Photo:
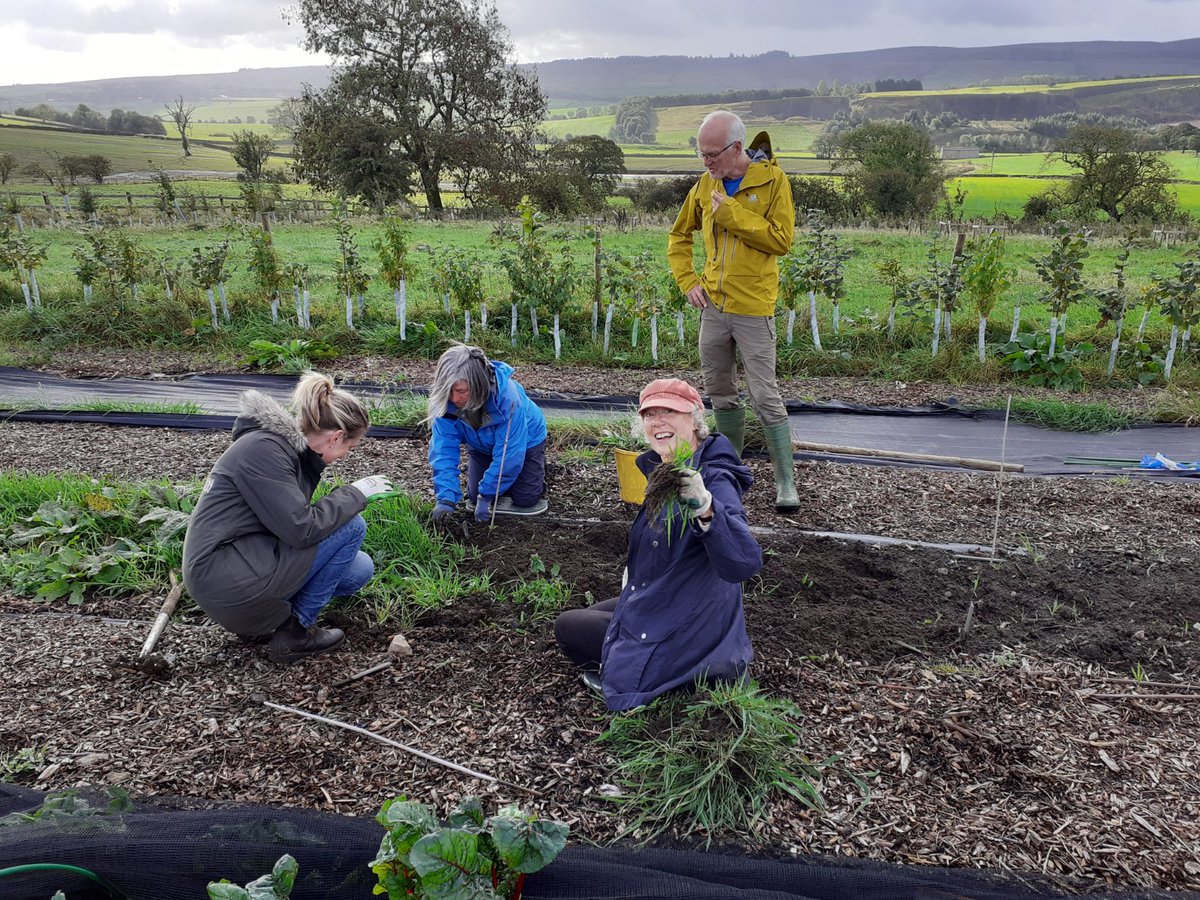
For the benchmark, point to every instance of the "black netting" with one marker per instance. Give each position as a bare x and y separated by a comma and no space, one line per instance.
157,852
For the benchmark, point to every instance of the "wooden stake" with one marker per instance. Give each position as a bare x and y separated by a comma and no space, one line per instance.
363,674
988,465
383,740
163,617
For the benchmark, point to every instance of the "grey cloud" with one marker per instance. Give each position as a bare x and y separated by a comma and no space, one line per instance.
194,23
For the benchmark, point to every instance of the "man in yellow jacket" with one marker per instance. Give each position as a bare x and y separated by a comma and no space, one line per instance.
742,205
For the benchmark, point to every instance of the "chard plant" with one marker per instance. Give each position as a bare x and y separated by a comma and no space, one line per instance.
470,856
394,266
352,278
1061,270
209,267
266,267
1180,303
1029,356
275,885
1113,303
986,278
297,275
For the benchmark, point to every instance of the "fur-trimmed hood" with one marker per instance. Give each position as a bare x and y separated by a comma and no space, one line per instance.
258,411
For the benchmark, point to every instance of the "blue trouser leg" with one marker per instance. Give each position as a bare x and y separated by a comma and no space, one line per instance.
531,480
339,570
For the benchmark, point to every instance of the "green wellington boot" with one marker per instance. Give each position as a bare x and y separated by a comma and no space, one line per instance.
779,443
732,424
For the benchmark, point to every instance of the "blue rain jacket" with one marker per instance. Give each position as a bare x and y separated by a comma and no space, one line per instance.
509,416
679,618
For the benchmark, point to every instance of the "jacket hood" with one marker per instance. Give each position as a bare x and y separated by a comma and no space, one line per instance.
715,453
503,372
257,412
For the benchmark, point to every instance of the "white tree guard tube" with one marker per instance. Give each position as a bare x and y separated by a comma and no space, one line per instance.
812,319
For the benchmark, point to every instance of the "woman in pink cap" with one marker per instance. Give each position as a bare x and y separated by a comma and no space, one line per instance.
679,617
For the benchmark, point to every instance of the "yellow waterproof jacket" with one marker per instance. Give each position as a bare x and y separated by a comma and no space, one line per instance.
742,240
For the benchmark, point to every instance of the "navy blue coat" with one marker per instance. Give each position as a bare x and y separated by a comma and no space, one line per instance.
679,617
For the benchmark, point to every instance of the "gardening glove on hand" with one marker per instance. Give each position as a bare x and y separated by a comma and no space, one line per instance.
373,485
442,512
693,492
482,509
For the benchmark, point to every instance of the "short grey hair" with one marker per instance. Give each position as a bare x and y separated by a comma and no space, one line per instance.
637,427
461,362
735,128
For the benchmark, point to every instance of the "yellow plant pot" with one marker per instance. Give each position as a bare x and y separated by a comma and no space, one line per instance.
629,476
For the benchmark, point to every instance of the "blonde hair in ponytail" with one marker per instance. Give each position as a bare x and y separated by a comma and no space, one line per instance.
322,407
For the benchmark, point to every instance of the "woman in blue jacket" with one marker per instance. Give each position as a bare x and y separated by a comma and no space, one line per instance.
679,617
475,401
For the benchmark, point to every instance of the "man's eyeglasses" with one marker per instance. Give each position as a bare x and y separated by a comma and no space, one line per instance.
709,157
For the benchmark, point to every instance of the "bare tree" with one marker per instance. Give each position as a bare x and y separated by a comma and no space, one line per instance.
181,115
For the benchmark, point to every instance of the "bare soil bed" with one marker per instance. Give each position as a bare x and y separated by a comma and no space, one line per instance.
1022,742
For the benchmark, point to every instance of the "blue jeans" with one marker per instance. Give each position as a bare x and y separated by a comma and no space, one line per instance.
339,570
529,485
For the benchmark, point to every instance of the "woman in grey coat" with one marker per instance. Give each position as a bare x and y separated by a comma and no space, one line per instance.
260,557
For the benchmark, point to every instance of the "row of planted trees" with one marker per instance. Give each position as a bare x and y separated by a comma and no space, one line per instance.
544,275
977,271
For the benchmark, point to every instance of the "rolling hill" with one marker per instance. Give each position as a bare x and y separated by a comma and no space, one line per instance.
574,82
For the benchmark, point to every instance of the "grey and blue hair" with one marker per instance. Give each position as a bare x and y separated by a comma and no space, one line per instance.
460,363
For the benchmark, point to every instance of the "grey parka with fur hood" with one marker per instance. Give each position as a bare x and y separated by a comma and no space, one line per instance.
254,532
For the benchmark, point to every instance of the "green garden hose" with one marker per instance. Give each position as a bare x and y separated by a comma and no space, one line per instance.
62,867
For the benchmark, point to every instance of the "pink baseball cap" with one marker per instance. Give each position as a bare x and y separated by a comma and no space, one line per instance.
668,393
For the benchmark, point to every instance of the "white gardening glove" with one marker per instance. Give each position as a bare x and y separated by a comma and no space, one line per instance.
693,492
373,485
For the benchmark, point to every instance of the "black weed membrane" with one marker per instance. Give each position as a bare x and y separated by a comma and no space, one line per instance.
92,845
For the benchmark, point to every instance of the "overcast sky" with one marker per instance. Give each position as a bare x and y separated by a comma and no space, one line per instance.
74,40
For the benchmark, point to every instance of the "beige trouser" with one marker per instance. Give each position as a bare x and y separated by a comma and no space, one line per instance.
723,336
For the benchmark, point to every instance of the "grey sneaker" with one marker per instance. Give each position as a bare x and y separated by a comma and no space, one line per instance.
505,507
592,680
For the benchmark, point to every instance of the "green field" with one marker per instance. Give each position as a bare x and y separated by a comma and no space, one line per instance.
128,153
219,132
227,110
1039,88
22,122
1185,165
